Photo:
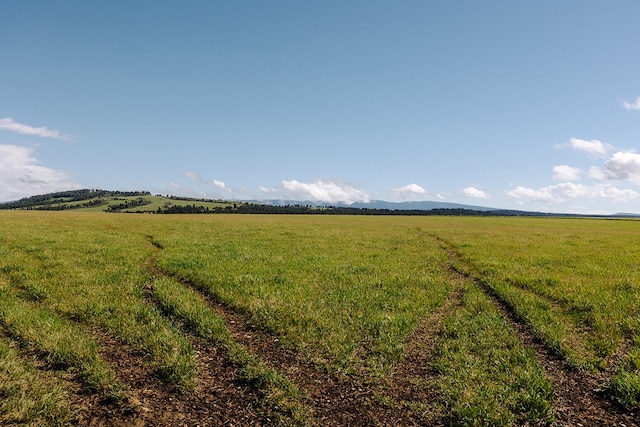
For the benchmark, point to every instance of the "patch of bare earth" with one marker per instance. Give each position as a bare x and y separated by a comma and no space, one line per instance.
217,399
580,396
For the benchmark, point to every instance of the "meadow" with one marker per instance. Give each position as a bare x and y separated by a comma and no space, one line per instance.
317,320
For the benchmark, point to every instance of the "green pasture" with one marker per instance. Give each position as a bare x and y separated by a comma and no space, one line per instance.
346,292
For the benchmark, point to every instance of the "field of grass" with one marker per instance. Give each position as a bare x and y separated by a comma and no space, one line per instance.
341,298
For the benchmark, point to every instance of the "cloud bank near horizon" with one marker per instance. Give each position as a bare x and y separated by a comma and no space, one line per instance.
621,166
20,172
21,176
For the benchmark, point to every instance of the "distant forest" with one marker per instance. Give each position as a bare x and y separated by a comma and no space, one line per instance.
253,208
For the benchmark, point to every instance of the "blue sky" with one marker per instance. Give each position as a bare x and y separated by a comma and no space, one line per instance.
509,104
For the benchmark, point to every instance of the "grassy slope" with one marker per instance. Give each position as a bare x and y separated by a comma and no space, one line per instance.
155,203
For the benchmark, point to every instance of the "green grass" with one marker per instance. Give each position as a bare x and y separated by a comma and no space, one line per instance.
29,397
345,292
484,374
88,269
576,282
59,342
188,306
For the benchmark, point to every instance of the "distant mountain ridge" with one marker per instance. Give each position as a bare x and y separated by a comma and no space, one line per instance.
381,204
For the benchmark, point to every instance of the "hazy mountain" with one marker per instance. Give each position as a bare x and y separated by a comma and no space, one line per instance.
380,204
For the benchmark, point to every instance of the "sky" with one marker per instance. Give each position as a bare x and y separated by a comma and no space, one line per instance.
531,105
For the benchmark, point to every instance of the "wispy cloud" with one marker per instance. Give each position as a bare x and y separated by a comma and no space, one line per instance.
635,105
476,193
191,175
321,191
408,192
566,173
194,176
592,147
9,124
268,190
545,195
21,176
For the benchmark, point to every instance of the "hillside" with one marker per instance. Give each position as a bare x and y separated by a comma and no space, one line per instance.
87,200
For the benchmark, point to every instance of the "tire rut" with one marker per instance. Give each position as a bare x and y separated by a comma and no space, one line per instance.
335,399
218,398
580,396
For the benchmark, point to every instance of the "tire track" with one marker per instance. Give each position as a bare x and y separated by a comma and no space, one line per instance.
407,383
335,399
580,396
218,398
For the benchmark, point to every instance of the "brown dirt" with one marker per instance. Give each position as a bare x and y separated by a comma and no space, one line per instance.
217,399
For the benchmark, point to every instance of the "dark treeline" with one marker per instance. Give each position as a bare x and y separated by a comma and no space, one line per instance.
330,210
64,206
128,204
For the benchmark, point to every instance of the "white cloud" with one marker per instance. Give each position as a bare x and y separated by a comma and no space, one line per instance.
221,185
327,192
474,192
21,176
592,147
408,192
8,124
621,166
568,190
566,173
542,195
635,105
191,175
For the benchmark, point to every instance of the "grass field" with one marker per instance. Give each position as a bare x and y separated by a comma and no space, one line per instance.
316,319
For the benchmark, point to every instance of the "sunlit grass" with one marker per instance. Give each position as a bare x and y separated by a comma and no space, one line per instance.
89,269
29,397
344,290
575,281
58,341
190,307
484,373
